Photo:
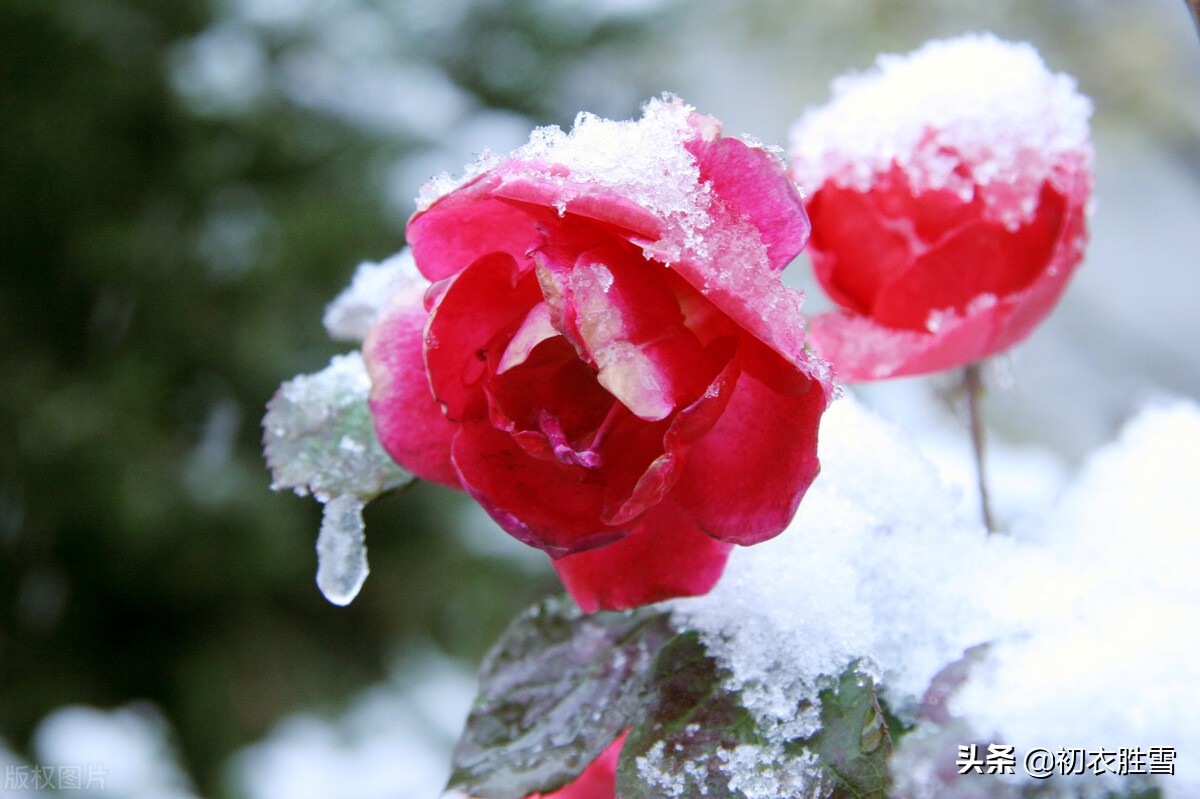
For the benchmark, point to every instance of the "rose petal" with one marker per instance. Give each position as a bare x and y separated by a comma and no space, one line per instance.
665,556
745,478
855,248
649,458
533,331
552,395
546,504
597,203
754,184
734,274
477,312
630,325
465,225
978,258
408,420
862,349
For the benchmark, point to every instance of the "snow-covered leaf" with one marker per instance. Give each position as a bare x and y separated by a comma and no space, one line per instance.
318,436
351,314
853,744
688,720
556,690
318,439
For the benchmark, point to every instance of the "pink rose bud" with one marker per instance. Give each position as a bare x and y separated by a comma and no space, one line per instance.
607,359
947,191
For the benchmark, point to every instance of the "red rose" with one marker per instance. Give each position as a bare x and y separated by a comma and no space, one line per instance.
948,192
607,359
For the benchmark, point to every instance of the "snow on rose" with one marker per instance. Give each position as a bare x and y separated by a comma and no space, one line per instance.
606,357
948,193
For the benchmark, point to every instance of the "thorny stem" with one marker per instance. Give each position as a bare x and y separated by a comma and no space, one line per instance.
973,385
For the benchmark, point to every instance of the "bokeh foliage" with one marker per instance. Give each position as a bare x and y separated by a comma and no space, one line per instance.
165,267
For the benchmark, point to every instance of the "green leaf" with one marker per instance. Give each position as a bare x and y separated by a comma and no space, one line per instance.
688,719
853,744
318,437
556,690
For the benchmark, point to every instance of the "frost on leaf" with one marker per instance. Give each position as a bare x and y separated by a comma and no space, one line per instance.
688,720
318,439
556,690
350,315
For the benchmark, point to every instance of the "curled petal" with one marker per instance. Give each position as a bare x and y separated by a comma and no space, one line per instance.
666,555
478,312
754,184
745,478
544,503
465,225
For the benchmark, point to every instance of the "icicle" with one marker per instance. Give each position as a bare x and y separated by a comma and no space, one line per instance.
341,550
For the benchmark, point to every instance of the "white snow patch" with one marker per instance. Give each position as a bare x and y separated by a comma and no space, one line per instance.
643,161
393,740
1091,618
124,752
351,314
1112,608
875,566
969,114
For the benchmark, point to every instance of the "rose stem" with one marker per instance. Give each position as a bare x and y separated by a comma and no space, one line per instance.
973,384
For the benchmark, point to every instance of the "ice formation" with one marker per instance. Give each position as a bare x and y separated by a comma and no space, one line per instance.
969,114
342,550
318,439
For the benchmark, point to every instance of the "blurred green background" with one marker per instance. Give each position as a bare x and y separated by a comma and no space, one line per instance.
184,185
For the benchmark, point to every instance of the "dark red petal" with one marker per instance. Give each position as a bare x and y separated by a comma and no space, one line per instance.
981,257
665,556
545,503
855,250
478,312
408,420
643,461
753,184
745,478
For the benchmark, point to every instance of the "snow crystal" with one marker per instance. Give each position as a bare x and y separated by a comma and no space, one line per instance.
975,103
341,550
644,161
765,771
1112,606
1090,620
875,567
350,315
